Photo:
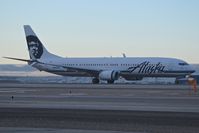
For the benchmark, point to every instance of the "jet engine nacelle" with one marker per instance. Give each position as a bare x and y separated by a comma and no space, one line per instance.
109,75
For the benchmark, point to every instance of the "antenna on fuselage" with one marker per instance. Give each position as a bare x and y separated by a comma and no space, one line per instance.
124,55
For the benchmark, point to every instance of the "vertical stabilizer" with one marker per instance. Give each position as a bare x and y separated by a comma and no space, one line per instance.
35,47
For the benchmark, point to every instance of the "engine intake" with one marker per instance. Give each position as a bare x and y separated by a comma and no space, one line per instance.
109,75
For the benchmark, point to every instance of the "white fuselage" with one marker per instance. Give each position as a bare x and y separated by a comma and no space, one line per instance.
128,67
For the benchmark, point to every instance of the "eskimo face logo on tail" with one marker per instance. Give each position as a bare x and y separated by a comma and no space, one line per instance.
35,47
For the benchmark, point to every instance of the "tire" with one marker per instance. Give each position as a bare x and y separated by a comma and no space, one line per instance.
95,81
110,81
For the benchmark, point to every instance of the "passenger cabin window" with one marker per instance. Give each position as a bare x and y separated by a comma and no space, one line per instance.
183,64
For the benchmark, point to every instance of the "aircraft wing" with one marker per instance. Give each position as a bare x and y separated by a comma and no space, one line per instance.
89,71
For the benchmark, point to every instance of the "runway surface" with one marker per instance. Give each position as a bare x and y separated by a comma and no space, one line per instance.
100,108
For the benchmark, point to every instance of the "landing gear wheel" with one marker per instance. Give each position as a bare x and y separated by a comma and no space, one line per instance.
95,81
110,81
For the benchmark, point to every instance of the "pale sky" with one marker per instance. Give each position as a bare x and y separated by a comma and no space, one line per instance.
102,28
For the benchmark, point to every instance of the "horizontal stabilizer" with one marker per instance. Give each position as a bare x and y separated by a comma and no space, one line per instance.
24,60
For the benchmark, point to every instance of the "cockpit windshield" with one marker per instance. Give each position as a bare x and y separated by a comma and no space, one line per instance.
183,64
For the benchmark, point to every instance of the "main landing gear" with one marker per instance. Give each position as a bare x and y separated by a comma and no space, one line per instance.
110,81
95,81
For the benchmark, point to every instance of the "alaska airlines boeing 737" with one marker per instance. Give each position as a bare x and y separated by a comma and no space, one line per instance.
108,69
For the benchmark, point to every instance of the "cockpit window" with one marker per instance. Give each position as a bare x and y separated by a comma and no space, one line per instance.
183,64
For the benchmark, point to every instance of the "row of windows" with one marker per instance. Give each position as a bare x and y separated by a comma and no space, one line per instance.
100,65
182,64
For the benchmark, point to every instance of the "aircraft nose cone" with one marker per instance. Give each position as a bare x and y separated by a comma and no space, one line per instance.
191,69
